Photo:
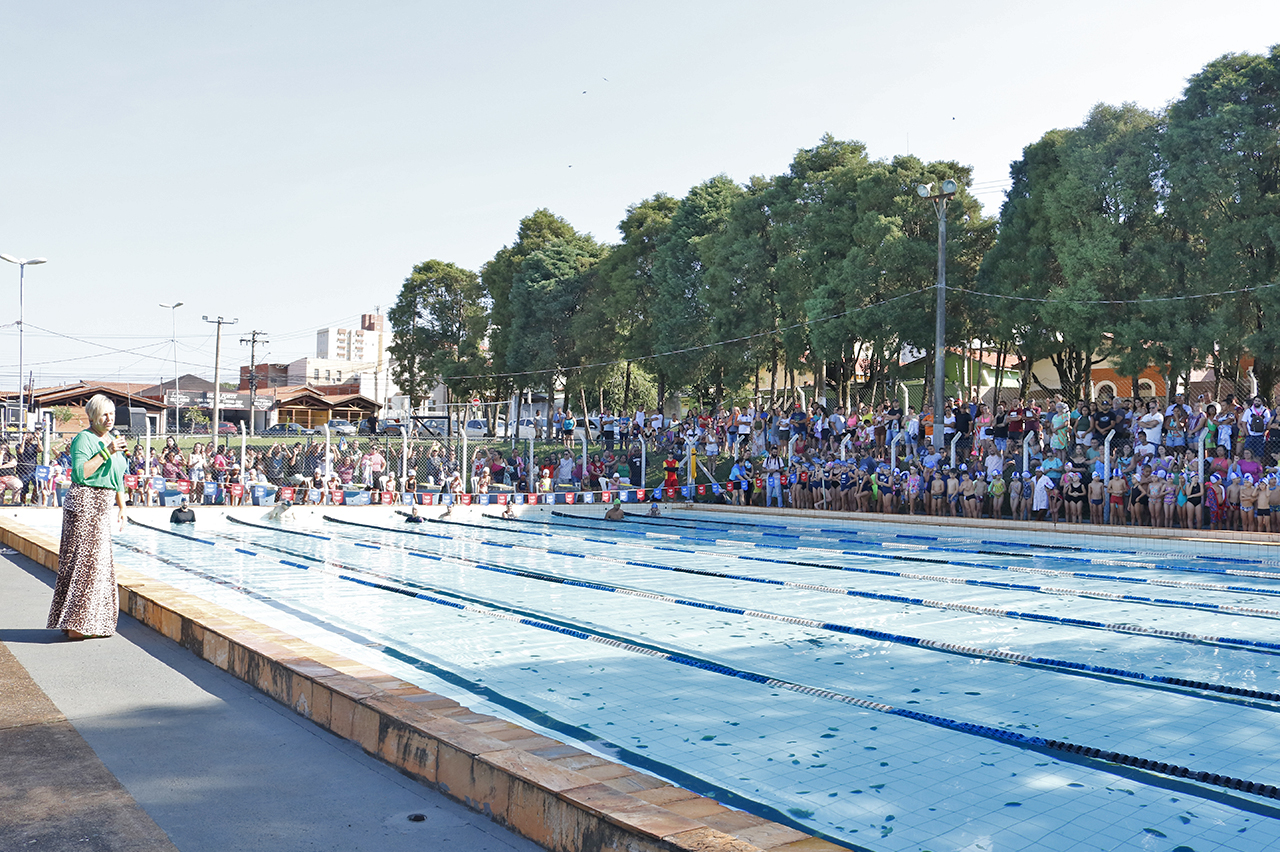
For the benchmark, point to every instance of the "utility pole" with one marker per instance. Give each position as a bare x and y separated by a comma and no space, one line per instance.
252,340
217,376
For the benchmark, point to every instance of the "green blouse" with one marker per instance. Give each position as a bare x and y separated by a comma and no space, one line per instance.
108,475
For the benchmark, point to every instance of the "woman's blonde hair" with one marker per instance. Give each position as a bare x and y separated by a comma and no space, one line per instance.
97,406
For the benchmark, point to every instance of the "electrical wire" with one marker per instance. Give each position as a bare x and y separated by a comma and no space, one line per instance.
1186,298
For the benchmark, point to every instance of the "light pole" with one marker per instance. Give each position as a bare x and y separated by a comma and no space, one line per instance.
925,190
22,269
177,406
217,390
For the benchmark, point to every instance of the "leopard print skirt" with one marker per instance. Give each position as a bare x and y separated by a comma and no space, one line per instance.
85,597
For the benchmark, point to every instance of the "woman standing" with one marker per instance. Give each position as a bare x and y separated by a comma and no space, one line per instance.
85,601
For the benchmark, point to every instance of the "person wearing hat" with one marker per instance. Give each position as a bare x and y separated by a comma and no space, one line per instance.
615,512
183,514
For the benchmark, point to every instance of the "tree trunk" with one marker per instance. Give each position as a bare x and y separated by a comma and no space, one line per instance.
773,377
1266,374
626,390
1002,358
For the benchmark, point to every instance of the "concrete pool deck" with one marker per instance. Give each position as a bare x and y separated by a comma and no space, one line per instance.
478,774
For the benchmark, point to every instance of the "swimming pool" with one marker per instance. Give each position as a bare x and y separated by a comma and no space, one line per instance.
889,688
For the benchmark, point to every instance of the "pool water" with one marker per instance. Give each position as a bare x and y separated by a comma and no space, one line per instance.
887,688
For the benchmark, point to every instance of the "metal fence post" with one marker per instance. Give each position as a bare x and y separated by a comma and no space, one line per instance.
465,462
1106,478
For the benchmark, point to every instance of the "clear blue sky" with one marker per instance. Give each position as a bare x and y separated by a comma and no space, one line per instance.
288,163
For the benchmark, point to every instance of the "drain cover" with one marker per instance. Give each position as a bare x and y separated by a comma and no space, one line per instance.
417,817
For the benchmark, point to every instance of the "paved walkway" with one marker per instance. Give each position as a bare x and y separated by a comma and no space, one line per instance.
131,743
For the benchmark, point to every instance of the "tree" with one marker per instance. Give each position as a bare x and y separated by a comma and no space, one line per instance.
616,320
497,276
683,315
1223,175
438,323
545,297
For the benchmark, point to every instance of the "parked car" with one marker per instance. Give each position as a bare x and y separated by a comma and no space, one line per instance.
434,427
393,427
524,428
224,428
284,430
476,428
341,427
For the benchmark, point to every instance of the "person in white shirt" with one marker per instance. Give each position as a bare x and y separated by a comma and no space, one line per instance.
772,467
1040,499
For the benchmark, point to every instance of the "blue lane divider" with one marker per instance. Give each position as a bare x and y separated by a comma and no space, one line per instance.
986,731
1022,545
971,651
1181,636
1021,569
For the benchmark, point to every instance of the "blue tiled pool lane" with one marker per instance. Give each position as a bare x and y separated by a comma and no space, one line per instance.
933,691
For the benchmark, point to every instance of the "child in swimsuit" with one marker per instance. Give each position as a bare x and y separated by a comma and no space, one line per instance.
1262,504
997,492
1096,496
1117,487
1248,496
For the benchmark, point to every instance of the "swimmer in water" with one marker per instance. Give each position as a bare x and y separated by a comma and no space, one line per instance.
414,517
615,511
509,513
653,511
278,510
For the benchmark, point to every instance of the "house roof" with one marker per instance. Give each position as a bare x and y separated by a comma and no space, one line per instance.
80,392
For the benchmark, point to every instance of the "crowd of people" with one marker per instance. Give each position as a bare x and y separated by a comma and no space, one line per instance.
1121,461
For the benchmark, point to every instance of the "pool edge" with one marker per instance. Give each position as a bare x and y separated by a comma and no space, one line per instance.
557,795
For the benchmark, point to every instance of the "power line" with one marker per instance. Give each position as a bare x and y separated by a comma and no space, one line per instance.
1186,298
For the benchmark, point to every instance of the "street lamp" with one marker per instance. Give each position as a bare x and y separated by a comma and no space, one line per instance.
22,269
940,199
177,406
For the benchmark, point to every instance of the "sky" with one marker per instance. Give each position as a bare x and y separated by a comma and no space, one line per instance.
286,164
